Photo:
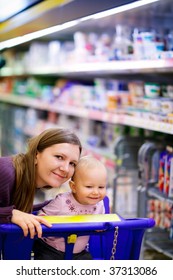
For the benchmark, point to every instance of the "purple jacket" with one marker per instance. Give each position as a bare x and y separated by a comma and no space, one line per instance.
7,185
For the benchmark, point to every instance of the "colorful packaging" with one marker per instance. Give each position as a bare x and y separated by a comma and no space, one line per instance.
162,170
170,191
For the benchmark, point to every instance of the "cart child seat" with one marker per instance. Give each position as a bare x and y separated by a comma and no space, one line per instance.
112,236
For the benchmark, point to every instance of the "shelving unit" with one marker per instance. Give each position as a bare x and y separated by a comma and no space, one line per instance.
114,118
153,200
97,68
159,238
156,16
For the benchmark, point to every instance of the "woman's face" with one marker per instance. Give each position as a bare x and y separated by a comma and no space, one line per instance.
55,165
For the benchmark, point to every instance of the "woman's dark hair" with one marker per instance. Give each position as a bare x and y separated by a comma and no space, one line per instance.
25,164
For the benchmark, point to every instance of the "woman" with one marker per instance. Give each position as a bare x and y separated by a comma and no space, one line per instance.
49,162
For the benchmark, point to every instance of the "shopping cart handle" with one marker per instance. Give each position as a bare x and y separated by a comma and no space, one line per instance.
84,223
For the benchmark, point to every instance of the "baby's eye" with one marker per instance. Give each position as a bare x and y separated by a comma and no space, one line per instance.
102,187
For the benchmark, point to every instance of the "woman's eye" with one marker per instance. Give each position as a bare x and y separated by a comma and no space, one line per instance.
59,157
73,164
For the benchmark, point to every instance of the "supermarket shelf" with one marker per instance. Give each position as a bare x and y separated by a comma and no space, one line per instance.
159,240
96,68
154,192
119,118
112,67
41,105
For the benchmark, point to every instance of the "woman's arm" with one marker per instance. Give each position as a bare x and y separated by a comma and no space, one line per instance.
7,185
29,223
6,214
39,206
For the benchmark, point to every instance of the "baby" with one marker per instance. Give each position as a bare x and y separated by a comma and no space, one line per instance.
88,189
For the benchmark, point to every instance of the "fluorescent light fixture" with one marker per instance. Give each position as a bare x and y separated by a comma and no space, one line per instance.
6,12
38,34
122,8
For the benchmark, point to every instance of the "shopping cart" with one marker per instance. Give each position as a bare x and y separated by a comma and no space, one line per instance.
112,237
126,175
146,173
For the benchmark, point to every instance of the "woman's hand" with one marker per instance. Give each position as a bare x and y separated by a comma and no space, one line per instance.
29,223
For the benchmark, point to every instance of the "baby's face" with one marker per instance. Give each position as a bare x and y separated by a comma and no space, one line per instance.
90,186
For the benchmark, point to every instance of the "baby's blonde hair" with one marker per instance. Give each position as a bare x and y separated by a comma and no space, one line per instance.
88,162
